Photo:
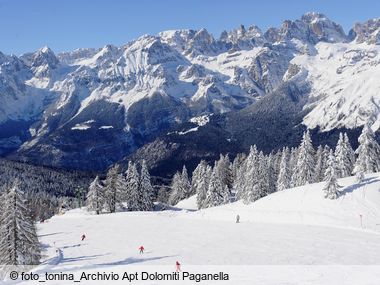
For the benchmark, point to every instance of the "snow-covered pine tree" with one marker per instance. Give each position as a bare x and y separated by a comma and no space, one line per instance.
350,151
95,196
181,187
197,175
112,192
177,193
19,244
284,178
319,173
215,190
256,182
271,174
146,189
132,186
163,194
292,163
249,183
326,154
262,178
226,195
239,180
199,183
236,164
206,181
41,205
343,157
304,173
223,167
276,165
185,183
368,152
359,173
331,188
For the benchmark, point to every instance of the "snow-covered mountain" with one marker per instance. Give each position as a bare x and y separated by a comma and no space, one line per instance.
90,107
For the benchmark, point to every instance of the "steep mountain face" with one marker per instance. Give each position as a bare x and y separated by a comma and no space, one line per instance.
89,108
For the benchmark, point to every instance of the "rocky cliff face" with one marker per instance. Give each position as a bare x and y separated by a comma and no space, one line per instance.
368,32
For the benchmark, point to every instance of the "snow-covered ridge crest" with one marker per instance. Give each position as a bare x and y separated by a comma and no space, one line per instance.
344,91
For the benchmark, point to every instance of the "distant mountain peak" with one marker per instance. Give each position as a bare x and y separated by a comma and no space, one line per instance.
44,56
368,32
309,17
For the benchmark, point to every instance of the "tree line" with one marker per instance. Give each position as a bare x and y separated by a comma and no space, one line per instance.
256,175
130,191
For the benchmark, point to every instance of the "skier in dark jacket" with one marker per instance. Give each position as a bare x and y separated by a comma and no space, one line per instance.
83,237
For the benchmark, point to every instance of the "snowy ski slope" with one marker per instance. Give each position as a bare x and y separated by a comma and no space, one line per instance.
290,237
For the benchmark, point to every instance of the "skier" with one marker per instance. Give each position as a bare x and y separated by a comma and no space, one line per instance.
177,266
83,237
237,219
141,248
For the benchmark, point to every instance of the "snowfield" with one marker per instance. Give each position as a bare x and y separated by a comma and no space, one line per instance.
291,237
343,82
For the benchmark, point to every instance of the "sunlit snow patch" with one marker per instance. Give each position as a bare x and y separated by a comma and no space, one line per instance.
83,126
201,120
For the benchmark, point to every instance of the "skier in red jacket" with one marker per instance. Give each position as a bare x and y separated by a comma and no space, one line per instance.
141,248
177,266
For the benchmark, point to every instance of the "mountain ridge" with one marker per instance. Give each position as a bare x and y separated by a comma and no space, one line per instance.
89,108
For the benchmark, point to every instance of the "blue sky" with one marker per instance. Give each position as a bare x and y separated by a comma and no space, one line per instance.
69,24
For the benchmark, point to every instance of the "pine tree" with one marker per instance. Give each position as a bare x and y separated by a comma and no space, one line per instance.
146,189
95,196
319,173
114,189
215,191
18,238
238,187
262,179
177,193
132,186
359,173
304,173
197,175
326,154
226,195
255,184
199,183
350,152
223,167
293,163
236,164
271,174
249,183
276,166
331,188
343,157
368,152
185,183
284,178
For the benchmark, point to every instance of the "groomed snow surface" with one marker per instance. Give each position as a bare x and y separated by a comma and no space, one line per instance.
291,237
